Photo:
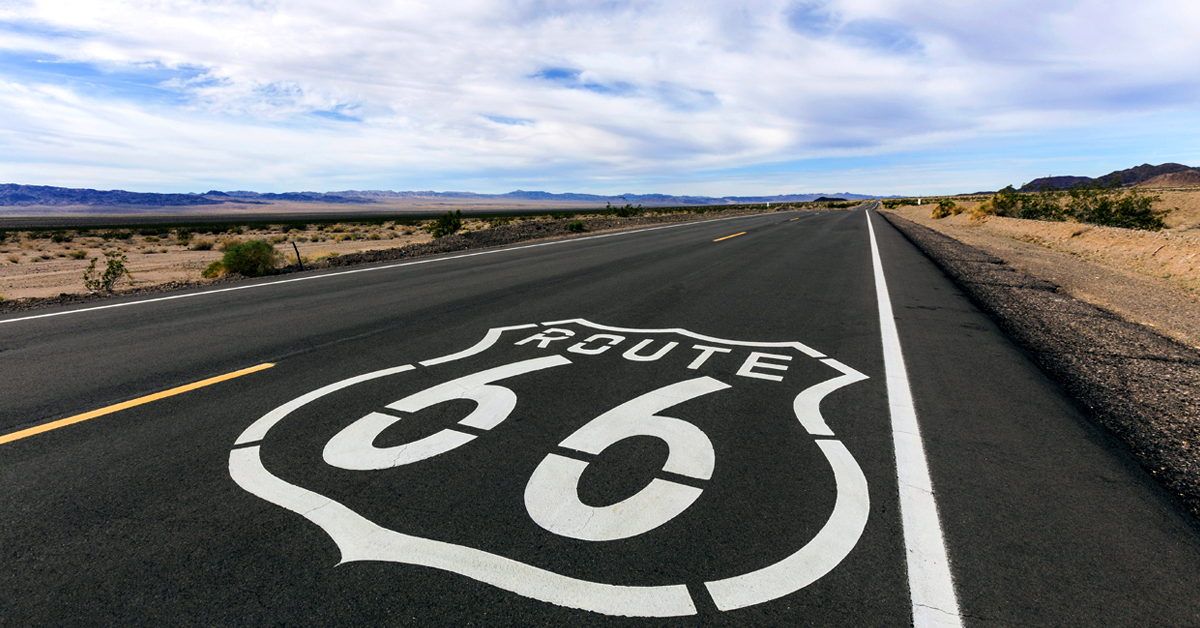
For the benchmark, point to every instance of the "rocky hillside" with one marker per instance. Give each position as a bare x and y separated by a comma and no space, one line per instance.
1138,175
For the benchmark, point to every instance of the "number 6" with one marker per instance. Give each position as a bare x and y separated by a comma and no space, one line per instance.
552,496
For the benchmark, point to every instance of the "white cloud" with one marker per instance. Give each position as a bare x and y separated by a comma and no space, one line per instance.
278,94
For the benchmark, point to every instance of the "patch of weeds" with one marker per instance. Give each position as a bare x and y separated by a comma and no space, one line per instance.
114,270
60,237
183,236
202,245
214,270
374,236
228,242
117,235
150,239
252,258
78,254
499,221
276,239
576,227
235,230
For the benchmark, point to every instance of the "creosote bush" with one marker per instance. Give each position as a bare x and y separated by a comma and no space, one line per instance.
628,211
576,227
252,258
1098,203
113,272
946,207
446,224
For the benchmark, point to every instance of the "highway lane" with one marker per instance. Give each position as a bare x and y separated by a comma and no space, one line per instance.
158,514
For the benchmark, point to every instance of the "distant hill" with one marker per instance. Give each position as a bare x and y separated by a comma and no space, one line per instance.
1132,176
12,194
1183,178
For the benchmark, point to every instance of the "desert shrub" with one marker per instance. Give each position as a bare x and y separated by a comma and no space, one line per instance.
3,235
982,210
117,235
499,221
893,203
945,207
14,258
77,254
150,239
60,237
446,224
234,230
183,236
1109,205
1042,205
252,258
576,227
276,239
375,236
114,270
202,245
229,242
628,211
1004,202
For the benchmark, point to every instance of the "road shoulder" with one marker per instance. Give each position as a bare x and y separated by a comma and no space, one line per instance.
1140,385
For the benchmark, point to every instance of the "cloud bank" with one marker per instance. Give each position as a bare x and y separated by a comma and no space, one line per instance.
683,97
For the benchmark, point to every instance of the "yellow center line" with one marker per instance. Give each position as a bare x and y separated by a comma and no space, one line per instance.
730,236
796,218
53,425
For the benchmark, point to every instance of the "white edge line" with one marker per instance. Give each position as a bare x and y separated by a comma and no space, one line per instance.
929,580
367,270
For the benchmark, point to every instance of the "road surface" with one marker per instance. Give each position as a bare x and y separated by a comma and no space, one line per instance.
781,419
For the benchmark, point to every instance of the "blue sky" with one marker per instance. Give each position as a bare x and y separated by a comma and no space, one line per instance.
714,98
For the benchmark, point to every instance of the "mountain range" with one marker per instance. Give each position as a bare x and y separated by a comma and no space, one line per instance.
1145,175
12,194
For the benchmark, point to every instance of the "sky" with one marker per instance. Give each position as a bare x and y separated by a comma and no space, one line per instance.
697,97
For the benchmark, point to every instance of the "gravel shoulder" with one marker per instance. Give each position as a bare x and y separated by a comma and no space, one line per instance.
1143,386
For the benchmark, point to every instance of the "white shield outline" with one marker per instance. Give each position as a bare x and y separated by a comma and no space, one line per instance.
358,538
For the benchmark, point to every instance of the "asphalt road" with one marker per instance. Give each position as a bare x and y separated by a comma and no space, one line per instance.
664,426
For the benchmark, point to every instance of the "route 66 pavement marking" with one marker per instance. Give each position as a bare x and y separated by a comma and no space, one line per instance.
677,373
